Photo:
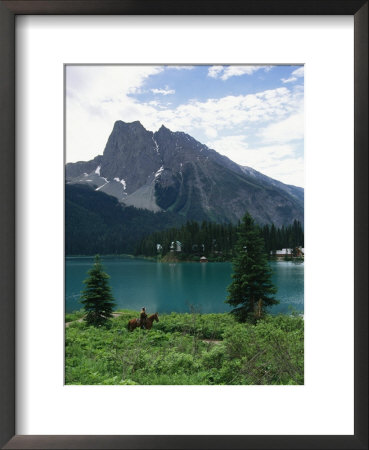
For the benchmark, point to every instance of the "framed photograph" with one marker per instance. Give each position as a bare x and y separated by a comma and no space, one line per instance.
168,173
169,216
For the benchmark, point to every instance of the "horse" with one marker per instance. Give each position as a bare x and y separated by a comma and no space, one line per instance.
135,323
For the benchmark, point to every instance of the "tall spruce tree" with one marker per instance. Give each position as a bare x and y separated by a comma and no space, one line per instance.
251,290
97,297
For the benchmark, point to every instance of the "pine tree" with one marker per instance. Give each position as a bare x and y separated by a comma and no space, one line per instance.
97,297
251,290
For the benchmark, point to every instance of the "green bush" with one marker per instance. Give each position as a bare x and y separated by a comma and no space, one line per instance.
187,349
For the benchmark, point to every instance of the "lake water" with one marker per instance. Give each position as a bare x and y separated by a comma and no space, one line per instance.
165,287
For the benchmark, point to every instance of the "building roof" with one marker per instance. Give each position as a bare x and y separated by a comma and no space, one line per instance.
284,251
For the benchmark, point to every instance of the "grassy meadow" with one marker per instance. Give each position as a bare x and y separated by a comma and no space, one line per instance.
185,349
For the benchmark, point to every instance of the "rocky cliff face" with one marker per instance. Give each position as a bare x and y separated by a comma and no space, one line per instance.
130,155
171,171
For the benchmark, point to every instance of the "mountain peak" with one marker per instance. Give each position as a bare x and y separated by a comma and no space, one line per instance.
173,171
136,124
164,128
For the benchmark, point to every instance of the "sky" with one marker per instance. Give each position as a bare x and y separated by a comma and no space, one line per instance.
252,114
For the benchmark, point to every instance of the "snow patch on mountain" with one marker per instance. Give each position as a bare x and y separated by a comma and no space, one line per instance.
159,171
156,145
107,182
122,182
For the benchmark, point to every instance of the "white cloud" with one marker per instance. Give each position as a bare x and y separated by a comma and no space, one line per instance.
225,72
227,112
180,67
237,149
287,130
288,80
106,82
97,98
214,71
288,171
211,132
297,73
234,147
165,91
236,71
275,161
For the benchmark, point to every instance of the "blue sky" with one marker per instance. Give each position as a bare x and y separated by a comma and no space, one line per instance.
252,114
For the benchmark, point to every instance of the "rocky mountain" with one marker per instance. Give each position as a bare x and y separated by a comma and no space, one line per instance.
171,171
295,191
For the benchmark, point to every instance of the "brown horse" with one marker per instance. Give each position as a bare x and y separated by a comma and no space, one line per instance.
135,323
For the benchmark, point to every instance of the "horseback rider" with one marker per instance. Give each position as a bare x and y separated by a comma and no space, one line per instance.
143,317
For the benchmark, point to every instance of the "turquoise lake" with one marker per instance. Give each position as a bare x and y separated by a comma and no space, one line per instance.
178,287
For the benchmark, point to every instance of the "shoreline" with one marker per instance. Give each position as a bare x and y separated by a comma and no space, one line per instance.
177,260
122,311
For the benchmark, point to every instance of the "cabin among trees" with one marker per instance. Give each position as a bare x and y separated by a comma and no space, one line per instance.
216,242
282,253
288,253
176,246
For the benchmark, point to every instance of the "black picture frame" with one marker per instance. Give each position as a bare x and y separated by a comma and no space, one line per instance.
8,11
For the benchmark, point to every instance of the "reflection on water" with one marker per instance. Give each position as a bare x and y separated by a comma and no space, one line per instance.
176,287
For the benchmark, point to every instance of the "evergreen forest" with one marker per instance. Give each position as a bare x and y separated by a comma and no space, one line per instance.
96,223
216,241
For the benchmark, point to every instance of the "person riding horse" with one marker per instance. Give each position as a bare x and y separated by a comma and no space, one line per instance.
143,317
142,322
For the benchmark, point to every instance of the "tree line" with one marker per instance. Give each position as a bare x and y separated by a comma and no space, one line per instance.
290,236
216,240
97,223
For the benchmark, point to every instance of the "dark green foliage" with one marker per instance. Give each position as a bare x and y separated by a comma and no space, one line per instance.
265,353
96,297
97,223
187,349
251,290
207,326
209,239
290,236
216,241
